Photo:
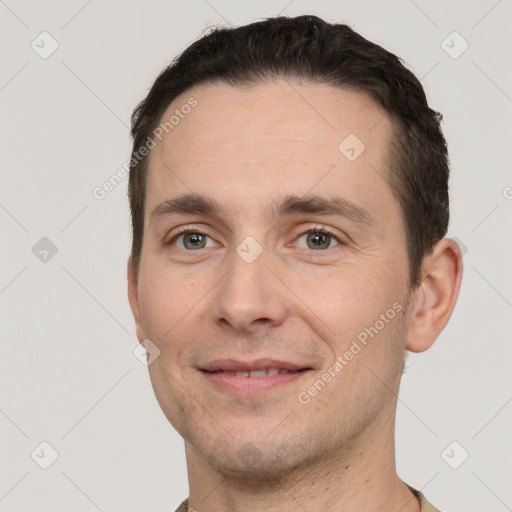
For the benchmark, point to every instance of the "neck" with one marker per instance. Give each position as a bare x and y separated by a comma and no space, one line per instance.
361,476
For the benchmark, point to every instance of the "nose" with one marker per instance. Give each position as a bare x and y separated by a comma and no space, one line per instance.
250,297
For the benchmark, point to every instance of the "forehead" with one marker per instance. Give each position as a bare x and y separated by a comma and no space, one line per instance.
269,139
319,112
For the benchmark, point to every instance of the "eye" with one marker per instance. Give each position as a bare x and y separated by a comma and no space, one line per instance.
319,239
192,240
316,239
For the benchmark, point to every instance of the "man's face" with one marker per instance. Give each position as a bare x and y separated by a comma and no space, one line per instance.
257,285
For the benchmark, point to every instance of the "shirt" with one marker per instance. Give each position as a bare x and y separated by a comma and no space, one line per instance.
425,506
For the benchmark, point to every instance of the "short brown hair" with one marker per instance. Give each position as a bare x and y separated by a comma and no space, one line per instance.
307,48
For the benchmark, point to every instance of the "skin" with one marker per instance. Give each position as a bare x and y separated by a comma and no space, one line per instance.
245,147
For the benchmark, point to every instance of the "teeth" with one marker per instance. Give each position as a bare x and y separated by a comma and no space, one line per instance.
257,373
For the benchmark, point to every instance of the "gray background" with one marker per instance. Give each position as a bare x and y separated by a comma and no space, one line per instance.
68,375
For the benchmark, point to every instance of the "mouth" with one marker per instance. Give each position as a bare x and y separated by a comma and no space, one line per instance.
252,378
258,373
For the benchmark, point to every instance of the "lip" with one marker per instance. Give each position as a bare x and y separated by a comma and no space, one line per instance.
251,386
233,365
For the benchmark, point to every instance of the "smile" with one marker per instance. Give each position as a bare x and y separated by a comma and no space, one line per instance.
258,373
245,378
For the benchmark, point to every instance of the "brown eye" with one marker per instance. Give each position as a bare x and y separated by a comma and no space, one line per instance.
318,240
192,240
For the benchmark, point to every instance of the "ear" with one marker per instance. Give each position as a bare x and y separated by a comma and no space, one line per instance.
133,299
434,300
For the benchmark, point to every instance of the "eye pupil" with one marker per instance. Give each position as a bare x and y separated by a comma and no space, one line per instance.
196,241
319,240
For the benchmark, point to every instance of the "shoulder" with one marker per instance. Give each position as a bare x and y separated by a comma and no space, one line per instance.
425,506
183,507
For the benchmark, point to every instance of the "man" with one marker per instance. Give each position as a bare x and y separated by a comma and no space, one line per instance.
288,191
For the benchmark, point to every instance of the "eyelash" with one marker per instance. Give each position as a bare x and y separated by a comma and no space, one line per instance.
314,229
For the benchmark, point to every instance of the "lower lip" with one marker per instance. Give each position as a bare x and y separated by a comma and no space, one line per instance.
251,385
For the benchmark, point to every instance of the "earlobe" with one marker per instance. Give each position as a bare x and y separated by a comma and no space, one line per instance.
133,299
435,298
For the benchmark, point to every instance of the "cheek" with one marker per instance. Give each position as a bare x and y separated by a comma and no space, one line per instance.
351,291
166,301
354,303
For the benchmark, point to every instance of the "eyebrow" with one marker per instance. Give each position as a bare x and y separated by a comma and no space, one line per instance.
287,206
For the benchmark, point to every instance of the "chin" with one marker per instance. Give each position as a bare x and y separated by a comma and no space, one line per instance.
260,460
249,463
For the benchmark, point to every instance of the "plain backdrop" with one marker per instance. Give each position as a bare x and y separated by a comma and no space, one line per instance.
68,374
